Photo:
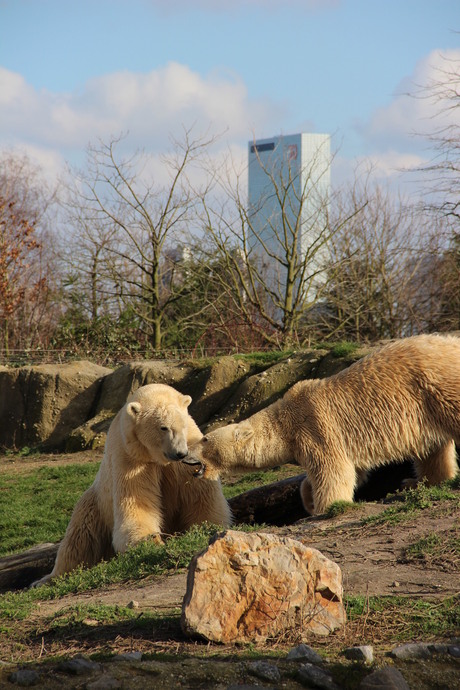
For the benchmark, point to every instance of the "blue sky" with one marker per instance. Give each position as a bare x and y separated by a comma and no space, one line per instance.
73,71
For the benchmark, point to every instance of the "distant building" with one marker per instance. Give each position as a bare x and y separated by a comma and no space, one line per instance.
288,194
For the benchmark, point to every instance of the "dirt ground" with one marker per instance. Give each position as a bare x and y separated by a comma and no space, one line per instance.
372,557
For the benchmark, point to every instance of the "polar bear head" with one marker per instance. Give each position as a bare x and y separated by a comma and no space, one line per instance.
156,424
230,446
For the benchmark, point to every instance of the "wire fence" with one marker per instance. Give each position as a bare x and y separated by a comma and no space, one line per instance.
29,357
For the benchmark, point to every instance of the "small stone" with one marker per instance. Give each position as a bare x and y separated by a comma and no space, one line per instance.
264,670
454,650
411,651
310,675
387,678
438,648
133,604
25,677
363,653
78,667
304,653
395,584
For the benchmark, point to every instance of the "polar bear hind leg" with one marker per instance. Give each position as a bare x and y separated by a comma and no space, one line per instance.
86,542
87,539
438,466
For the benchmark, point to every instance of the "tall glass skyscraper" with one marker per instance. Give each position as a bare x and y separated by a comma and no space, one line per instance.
288,196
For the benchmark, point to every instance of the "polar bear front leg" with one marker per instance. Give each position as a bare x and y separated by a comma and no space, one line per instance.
135,521
131,530
331,479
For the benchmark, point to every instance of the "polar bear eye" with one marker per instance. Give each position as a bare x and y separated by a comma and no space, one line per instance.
164,428
204,439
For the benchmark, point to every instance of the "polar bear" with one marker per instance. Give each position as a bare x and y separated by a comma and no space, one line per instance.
402,401
139,491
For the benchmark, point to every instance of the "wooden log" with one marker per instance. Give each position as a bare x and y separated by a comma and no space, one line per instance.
278,503
21,569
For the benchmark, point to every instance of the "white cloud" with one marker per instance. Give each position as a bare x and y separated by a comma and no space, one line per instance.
151,107
412,115
395,142
388,167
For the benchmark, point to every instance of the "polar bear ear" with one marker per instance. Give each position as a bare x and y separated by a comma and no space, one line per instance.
133,408
243,432
186,400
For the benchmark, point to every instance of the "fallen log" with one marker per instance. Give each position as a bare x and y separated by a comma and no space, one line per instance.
21,569
277,504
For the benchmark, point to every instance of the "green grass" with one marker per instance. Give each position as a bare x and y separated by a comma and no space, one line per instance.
340,508
437,550
35,507
84,619
426,546
412,501
344,349
86,614
146,559
404,618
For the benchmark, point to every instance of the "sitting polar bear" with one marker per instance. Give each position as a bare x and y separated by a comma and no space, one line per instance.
138,491
402,401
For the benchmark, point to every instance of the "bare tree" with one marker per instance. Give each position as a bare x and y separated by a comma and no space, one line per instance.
442,283
443,172
132,228
88,286
441,192
384,255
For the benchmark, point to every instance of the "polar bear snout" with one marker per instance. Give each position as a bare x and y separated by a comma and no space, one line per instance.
176,451
174,443
179,455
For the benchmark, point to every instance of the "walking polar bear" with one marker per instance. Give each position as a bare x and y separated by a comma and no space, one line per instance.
139,491
400,402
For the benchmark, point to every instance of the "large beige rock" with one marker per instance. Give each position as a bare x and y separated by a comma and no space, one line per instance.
40,405
253,586
260,389
218,383
129,377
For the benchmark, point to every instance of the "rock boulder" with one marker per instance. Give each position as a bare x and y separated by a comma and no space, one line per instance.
253,586
39,405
